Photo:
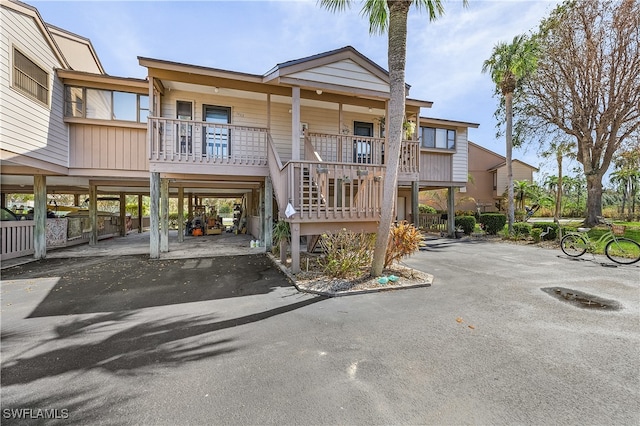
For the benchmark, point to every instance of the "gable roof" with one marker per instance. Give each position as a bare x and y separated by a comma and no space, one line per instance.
342,71
78,50
502,158
32,12
504,163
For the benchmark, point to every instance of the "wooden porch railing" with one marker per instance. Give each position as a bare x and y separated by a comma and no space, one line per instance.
174,140
278,176
16,237
335,191
432,222
360,150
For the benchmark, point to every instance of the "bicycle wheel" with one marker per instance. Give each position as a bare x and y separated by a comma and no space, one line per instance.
623,250
573,245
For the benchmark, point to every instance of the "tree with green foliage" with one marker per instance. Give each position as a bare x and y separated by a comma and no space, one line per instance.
509,65
587,84
390,17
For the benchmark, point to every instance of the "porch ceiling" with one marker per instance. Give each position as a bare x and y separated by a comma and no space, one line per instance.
21,184
309,97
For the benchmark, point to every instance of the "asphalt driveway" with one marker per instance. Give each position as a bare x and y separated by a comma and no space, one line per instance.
125,340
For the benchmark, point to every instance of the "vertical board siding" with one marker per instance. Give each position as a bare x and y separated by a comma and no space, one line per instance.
29,127
461,157
435,167
108,148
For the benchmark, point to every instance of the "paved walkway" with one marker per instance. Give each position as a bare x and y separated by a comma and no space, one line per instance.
126,340
138,244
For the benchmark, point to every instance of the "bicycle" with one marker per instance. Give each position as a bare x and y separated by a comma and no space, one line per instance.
619,250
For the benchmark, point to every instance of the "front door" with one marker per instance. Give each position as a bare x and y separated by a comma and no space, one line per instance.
216,138
184,112
362,147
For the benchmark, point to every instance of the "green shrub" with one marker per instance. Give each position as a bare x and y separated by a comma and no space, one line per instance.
281,233
535,234
553,231
466,223
493,223
522,228
346,253
423,208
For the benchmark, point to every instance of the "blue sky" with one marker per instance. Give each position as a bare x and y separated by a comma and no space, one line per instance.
444,58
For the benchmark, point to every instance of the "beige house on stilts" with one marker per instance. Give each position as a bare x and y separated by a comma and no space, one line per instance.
304,142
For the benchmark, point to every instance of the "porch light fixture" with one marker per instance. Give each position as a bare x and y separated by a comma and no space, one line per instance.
319,92
215,89
370,109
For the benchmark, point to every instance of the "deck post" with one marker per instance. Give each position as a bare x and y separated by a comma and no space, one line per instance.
140,225
76,199
93,214
180,214
164,215
295,123
451,211
295,248
154,215
123,214
40,216
415,208
268,214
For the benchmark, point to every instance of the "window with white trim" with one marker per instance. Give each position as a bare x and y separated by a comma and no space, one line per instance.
438,138
29,78
101,104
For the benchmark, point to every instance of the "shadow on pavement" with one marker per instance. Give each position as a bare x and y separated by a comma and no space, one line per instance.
127,283
435,244
131,350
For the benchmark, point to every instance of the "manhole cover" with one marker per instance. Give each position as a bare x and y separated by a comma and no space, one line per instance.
582,300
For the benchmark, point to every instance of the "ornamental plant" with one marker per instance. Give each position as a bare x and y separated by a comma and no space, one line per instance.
404,241
346,253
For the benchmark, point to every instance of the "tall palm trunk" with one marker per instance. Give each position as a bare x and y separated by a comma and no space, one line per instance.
398,13
508,100
558,212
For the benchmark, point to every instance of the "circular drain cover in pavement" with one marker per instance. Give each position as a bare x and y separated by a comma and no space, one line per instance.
582,300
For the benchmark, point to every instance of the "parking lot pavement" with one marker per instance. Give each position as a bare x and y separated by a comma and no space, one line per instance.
173,342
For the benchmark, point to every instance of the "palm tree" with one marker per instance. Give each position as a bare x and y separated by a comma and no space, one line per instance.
522,189
627,177
560,149
509,65
391,17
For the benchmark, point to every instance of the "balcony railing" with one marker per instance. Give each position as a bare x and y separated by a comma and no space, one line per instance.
335,191
174,140
362,150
